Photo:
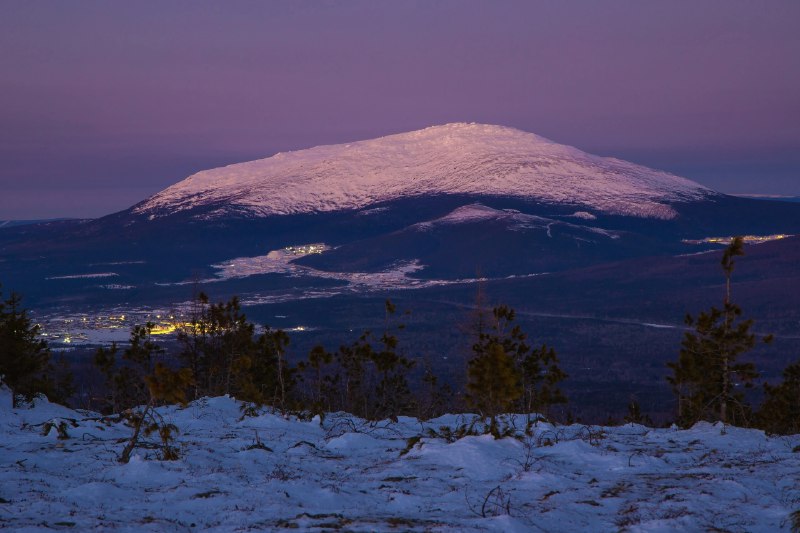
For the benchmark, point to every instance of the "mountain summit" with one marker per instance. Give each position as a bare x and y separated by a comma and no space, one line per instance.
464,159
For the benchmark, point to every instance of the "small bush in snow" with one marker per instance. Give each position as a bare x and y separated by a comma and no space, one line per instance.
164,385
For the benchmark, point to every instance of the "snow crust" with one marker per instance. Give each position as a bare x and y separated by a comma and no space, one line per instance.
458,158
276,473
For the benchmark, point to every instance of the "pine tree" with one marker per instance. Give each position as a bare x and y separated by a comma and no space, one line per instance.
230,339
635,415
265,376
494,383
780,410
392,394
433,398
193,338
506,372
367,378
219,346
540,378
322,383
125,381
24,359
707,378
352,361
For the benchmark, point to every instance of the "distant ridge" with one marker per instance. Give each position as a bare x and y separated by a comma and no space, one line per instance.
15,223
460,158
776,197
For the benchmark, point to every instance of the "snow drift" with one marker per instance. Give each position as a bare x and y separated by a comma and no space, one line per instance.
277,473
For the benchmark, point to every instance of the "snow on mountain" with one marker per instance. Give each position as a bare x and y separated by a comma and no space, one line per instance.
275,473
480,213
459,158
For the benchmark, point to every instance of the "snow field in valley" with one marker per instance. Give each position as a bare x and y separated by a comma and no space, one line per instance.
276,473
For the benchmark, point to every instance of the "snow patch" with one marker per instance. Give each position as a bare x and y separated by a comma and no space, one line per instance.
584,215
660,326
86,276
396,277
516,220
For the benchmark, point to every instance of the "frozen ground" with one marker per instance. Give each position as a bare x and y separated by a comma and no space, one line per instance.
273,473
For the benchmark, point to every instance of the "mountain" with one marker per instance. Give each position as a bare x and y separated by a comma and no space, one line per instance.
464,159
446,203
590,251
15,223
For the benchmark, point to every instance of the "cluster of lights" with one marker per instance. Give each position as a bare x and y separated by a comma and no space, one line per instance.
169,327
61,330
72,330
305,249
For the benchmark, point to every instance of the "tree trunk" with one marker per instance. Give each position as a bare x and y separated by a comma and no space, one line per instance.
126,453
723,406
280,381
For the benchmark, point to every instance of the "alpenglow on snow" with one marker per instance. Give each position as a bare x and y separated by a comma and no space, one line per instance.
464,159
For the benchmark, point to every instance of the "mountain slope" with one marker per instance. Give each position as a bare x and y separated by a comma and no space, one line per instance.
456,200
485,241
471,159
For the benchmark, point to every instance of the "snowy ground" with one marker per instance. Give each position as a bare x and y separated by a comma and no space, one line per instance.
272,473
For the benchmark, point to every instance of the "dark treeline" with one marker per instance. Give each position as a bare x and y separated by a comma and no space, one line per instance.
26,363
220,352
370,377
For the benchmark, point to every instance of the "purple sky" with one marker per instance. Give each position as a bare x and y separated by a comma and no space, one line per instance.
105,103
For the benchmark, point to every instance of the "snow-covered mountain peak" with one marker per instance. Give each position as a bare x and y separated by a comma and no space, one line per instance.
460,158
464,133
